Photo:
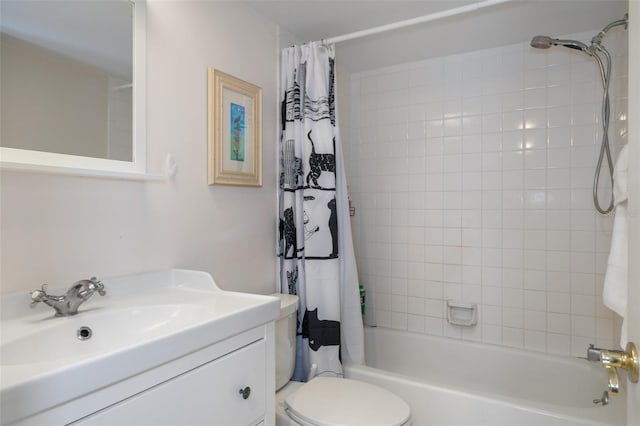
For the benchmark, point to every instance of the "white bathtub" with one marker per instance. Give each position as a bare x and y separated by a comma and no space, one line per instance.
451,382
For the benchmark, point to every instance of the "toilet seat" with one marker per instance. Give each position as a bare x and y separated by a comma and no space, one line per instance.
328,401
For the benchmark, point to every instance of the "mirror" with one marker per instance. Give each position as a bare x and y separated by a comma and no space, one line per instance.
72,80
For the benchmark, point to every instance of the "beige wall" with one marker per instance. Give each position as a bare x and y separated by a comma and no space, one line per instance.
58,229
50,102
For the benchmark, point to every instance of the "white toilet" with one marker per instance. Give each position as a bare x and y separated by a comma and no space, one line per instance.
326,401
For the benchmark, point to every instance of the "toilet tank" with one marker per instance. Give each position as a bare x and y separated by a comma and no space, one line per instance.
286,338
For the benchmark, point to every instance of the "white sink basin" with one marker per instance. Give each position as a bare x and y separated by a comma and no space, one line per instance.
144,320
101,331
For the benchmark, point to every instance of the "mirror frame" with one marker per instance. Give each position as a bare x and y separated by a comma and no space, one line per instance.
48,162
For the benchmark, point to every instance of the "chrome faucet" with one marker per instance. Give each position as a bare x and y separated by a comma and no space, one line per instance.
612,359
68,304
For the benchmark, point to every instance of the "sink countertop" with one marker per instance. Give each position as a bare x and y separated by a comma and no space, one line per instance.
143,321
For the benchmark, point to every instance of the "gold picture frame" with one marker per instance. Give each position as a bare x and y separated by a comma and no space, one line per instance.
234,130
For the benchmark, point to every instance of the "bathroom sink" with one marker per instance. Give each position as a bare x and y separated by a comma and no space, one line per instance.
95,331
144,320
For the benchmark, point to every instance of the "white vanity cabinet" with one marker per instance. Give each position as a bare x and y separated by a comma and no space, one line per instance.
228,383
166,347
210,394
230,390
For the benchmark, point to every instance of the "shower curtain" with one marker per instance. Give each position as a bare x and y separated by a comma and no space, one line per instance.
317,261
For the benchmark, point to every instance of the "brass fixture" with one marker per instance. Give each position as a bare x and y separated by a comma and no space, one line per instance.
627,360
614,381
612,359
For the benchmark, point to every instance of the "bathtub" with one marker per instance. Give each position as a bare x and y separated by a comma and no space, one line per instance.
452,382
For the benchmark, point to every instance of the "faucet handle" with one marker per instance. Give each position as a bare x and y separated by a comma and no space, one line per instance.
38,296
99,286
627,360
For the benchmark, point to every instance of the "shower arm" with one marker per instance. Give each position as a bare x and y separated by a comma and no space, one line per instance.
597,39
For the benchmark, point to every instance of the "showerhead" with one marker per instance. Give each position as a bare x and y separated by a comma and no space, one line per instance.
541,42
545,42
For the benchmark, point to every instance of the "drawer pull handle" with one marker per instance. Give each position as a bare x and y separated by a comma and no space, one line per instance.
245,392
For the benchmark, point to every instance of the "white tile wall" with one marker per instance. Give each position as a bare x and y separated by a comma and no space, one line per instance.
472,178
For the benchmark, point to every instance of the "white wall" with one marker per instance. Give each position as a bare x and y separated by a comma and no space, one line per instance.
472,178
58,229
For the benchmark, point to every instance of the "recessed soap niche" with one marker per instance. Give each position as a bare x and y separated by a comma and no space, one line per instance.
462,313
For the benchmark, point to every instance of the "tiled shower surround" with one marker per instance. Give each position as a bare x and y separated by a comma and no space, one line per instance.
471,175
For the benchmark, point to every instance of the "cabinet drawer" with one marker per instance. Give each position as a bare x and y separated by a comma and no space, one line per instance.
227,391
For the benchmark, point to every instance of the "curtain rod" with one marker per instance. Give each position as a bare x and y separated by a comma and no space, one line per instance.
414,21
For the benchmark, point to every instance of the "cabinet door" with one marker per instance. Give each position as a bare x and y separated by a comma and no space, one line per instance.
227,391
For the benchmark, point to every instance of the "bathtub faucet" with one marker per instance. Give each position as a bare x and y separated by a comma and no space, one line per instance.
613,359
593,353
68,304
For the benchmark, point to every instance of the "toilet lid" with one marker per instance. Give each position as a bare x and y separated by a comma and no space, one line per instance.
327,401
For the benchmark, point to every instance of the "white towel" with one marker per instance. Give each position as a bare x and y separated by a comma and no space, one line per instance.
614,294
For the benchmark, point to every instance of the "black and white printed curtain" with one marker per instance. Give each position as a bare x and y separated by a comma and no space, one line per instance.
317,261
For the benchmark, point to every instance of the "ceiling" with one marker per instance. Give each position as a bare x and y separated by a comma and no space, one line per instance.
57,25
513,22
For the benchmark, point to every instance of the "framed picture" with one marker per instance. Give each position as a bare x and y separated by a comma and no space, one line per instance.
235,131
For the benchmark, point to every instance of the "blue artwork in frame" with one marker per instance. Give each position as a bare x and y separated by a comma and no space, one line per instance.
237,132
234,131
